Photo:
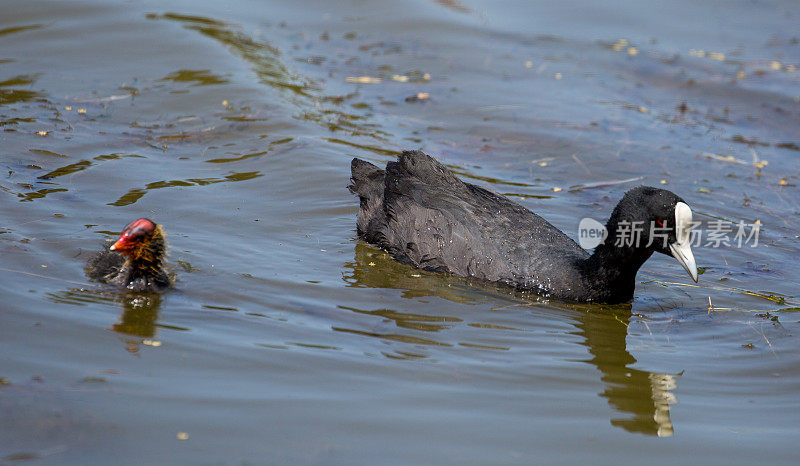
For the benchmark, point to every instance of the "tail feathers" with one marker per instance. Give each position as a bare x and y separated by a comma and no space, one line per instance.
425,168
367,182
413,174
366,179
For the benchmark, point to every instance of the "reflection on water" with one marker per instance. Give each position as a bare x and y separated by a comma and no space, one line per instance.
138,318
402,320
196,77
374,268
300,91
10,95
269,67
139,315
643,397
16,29
254,114
408,320
135,194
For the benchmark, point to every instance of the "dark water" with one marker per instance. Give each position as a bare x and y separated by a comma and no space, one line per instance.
288,341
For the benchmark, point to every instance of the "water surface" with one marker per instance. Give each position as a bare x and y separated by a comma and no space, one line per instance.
285,339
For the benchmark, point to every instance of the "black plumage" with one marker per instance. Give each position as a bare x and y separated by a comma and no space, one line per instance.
421,213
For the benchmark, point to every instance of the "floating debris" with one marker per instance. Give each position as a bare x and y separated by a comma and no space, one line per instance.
363,80
420,96
82,111
774,297
723,158
91,379
619,44
731,159
602,184
182,436
711,307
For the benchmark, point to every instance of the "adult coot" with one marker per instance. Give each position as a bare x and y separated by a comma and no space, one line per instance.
421,213
135,261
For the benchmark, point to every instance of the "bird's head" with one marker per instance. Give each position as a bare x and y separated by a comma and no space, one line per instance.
658,220
135,237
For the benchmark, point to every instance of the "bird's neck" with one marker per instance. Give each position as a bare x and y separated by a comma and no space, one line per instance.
148,258
612,269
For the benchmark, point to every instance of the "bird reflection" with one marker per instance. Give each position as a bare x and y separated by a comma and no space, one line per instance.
139,311
138,318
644,396
139,314
376,269
641,398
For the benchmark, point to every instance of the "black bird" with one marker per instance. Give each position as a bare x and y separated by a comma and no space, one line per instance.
135,261
421,213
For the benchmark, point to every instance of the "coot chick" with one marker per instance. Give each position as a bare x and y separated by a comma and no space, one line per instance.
135,261
421,213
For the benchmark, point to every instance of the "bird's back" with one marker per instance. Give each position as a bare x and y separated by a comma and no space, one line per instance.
112,268
430,218
104,265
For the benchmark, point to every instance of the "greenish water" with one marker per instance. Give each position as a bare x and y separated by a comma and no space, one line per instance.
287,341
